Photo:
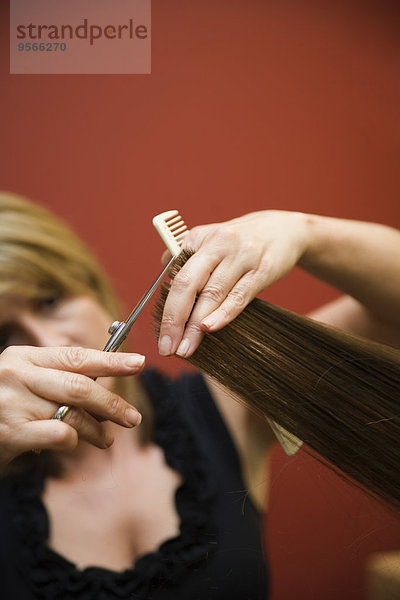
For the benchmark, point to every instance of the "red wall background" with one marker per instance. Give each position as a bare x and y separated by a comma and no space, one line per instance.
250,105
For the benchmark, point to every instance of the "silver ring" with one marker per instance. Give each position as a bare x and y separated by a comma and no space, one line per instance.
61,412
58,415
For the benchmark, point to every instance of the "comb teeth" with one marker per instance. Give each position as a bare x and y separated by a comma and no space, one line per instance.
171,228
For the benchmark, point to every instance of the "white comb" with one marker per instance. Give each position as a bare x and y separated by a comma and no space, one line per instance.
171,228
289,442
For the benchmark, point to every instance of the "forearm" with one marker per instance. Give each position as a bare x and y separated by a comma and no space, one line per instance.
360,259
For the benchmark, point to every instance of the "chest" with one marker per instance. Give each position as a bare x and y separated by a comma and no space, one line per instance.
111,519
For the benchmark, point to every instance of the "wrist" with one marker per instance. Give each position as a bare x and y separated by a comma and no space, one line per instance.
305,226
312,239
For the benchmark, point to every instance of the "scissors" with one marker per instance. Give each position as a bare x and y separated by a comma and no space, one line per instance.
119,330
171,228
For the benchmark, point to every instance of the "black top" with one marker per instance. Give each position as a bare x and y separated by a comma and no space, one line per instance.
217,555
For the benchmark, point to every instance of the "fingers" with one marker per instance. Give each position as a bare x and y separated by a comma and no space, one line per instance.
220,301
75,389
59,435
224,255
21,435
178,306
238,298
93,363
224,284
87,428
185,286
41,435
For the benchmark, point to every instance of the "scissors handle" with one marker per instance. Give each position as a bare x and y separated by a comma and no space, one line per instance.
120,329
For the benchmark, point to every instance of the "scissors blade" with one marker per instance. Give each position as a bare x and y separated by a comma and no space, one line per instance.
123,328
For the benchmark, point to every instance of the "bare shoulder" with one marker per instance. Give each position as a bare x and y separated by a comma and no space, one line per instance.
349,314
252,436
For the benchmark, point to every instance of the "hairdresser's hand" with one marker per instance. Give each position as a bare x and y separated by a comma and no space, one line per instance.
234,261
35,381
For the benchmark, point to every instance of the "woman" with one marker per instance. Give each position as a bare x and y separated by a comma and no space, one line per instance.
98,510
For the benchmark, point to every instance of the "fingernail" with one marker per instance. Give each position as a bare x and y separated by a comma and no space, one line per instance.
133,417
183,348
165,345
209,322
135,360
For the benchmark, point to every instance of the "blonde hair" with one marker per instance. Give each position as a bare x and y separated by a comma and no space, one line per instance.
41,255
